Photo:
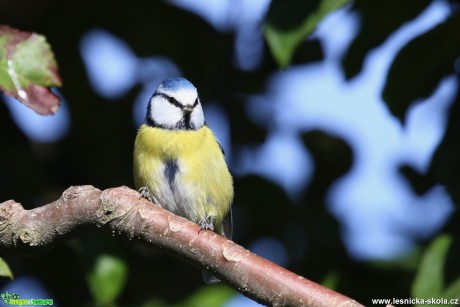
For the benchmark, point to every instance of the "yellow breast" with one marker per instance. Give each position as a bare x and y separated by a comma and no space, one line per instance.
202,184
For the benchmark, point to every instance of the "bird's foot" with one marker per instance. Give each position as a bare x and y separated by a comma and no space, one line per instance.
145,193
207,223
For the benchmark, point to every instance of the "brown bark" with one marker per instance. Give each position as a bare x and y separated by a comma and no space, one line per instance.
85,209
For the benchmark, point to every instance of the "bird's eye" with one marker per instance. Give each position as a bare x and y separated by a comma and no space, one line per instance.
174,101
197,101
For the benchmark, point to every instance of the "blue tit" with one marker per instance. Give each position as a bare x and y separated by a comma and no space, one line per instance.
178,162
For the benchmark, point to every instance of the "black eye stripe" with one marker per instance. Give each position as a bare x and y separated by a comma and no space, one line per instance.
171,100
176,103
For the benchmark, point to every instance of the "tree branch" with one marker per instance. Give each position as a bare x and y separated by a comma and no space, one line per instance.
85,209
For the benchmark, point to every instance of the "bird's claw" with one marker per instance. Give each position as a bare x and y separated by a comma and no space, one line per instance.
207,223
145,193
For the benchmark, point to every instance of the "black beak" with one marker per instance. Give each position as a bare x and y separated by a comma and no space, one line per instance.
187,109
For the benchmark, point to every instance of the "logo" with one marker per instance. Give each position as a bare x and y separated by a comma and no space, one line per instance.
14,299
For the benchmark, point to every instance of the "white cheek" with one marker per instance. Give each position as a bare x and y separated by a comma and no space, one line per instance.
164,113
197,117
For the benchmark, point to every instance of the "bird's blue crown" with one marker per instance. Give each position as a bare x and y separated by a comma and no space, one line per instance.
174,84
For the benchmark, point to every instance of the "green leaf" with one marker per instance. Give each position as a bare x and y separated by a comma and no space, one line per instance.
453,290
429,280
210,296
288,23
331,280
107,279
421,65
5,270
28,69
206,296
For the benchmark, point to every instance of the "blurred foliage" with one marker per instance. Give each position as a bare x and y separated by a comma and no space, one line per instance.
98,149
284,34
5,270
415,74
107,279
430,280
378,22
215,295
445,166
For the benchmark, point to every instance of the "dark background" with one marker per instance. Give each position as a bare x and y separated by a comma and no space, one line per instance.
98,147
